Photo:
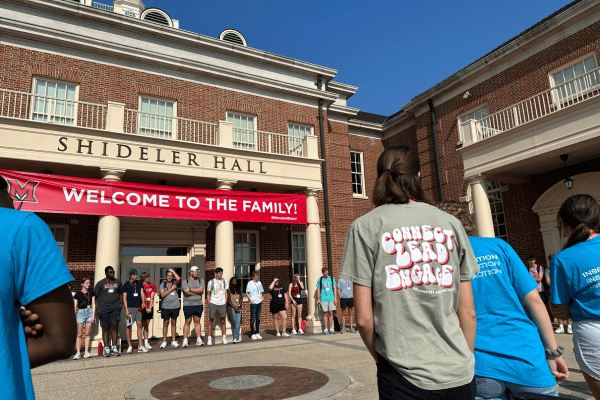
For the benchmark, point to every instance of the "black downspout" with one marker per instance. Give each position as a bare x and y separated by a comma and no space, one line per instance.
325,192
435,149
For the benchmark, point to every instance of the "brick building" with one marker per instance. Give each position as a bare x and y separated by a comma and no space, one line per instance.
82,81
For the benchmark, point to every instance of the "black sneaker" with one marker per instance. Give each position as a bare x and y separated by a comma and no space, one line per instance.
107,352
115,351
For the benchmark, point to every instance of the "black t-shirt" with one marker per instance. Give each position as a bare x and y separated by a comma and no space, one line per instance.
84,299
108,295
278,294
133,300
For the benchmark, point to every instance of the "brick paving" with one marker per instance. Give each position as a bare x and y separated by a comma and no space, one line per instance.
289,382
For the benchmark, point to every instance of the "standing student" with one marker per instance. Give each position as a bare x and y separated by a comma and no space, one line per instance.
169,310
295,294
148,312
134,300
537,272
217,300
254,291
234,308
278,306
326,298
346,303
109,305
575,279
192,305
411,265
85,309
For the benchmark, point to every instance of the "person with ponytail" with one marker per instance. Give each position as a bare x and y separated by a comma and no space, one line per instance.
411,265
575,282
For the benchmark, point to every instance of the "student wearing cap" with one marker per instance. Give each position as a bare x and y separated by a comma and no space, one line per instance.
192,305
109,304
134,299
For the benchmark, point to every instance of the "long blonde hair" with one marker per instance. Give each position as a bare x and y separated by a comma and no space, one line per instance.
296,280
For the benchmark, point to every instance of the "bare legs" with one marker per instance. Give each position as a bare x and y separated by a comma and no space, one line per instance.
297,309
283,315
78,340
593,384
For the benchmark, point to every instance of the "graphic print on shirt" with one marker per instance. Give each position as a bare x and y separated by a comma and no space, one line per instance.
488,265
416,247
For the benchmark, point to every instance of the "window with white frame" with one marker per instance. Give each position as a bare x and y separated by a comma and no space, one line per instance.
296,133
157,117
245,256
61,233
299,257
494,193
358,176
244,133
477,114
576,78
54,102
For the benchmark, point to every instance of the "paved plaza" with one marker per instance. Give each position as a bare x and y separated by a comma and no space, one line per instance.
299,367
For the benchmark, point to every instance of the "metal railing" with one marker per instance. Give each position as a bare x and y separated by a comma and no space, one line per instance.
267,142
52,110
167,127
102,6
565,95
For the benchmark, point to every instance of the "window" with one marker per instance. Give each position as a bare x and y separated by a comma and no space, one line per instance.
245,256
244,135
60,233
156,118
299,257
358,177
494,193
296,135
54,102
579,76
477,115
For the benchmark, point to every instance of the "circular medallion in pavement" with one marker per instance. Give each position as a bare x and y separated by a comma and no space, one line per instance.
250,382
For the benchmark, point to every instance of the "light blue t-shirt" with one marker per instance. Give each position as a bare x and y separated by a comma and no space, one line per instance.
31,265
575,276
345,287
254,289
327,289
507,346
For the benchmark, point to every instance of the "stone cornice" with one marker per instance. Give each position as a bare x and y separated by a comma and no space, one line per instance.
356,123
342,110
342,88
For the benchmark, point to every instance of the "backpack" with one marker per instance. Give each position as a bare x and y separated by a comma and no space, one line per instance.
336,324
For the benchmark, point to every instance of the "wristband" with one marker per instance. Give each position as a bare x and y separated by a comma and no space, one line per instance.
552,354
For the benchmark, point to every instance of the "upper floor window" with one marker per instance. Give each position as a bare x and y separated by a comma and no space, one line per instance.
54,102
245,256
157,117
477,114
358,176
578,76
494,193
244,133
61,233
296,133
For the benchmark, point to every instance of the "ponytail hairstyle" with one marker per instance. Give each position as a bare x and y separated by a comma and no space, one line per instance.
581,213
398,177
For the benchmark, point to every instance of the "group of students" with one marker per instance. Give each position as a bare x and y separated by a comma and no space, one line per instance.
440,309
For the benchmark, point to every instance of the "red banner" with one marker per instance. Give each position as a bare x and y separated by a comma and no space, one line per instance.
68,195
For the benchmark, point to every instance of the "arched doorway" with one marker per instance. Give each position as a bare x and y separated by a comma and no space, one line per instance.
547,205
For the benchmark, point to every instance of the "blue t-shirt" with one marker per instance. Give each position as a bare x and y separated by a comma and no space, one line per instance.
31,265
327,289
575,276
345,287
507,346
131,289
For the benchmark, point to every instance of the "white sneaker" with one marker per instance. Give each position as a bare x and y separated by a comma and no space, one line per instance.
331,332
185,343
278,334
115,351
209,341
301,332
569,329
163,345
199,342
325,331
285,334
258,336
224,339
147,345
142,349
174,344
253,337
294,332
129,350
86,354
77,356
560,329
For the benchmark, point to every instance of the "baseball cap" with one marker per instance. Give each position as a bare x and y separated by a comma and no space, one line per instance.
133,272
194,268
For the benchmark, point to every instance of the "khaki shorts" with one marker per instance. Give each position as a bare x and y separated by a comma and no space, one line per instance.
327,306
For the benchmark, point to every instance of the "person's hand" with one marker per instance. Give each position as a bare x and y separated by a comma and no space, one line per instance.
93,319
558,368
127,313
318,302
30,322
187,291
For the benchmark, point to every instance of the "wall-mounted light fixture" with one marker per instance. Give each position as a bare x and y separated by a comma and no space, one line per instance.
568,181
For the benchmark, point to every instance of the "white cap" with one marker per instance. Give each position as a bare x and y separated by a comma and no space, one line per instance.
194,268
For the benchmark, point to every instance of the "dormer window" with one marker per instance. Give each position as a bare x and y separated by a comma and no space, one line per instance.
233,36
157,16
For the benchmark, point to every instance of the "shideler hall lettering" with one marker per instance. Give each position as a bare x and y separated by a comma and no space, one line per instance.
156,155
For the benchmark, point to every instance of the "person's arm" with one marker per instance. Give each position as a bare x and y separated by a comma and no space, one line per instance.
124,300
541,319
177,278
538,277
466,313
143,297
301,285
335,294
289,293
287,300
208,290
547,279
318,292
75,301
94,309
363,308
163,292
229,300
272,285
55,311
248,293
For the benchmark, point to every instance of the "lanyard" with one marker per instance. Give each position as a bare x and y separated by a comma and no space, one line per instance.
87,296
219,283
110,284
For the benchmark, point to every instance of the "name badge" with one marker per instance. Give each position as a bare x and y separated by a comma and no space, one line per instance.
135,294
172,293
88,306
236,300
110,290
298,296
327,289
280,295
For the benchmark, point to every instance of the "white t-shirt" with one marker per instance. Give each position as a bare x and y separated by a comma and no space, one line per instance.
218,291
254,289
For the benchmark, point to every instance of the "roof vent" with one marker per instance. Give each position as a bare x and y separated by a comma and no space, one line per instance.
233,36
157,16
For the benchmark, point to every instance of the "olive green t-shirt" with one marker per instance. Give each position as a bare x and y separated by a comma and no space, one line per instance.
414,256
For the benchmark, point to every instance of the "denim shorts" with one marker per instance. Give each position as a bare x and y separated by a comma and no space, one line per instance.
84,316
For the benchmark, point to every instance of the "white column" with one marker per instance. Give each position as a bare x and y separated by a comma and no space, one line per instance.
314,258
481,207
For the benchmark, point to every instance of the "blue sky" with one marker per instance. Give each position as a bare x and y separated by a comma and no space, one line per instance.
391,50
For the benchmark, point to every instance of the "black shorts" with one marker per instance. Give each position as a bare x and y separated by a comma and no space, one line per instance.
298,301
275,308
166,313
189,311
147,316
346,303
110,316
